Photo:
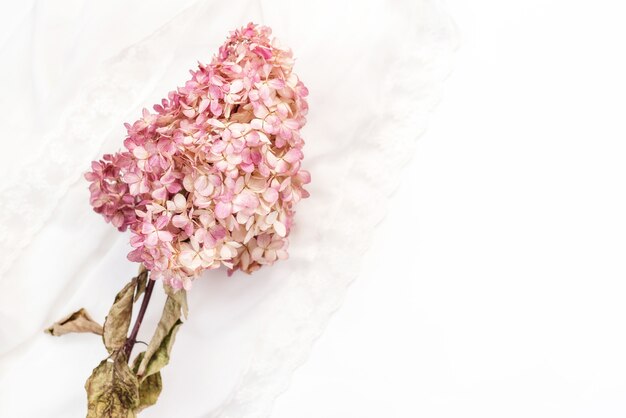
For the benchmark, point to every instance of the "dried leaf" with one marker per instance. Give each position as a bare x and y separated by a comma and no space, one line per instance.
142,281
118,320
162,340
137,362
179,296
79,321
149,391
161,357
112,390
150,388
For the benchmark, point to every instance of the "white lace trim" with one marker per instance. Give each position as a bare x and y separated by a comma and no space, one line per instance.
300,311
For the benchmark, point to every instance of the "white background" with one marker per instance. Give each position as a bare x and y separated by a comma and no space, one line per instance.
75,70
495,286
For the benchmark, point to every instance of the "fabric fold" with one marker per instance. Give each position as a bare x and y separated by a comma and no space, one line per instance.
374,73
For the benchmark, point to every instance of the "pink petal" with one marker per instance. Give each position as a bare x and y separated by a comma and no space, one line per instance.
293,155
136,255
226,252
131,178
161,222
216,108
304,176
247,200
218,147
140,153
263,240
270,255
168,178
216,123
270,195
272,160
204,104
179,221
180,201
160,193
276,83
147,228
291,124
280,229
222,210
257,254
236,86
165,236
281,166
271,218
219,232
151,239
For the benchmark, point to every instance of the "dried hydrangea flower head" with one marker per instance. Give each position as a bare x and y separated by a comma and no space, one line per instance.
211,178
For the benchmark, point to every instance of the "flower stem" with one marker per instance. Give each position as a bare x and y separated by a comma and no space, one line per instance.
132,338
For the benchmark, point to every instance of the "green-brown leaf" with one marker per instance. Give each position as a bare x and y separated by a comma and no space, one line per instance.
161,356
149,391
112,390
79,321
161,343
179,296
118,320
150,388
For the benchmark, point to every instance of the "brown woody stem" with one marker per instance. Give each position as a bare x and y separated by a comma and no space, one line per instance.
132,338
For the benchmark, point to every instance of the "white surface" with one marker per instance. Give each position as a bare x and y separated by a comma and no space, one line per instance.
495,286
374,74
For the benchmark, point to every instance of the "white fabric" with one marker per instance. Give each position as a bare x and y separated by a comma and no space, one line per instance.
72,75
509,300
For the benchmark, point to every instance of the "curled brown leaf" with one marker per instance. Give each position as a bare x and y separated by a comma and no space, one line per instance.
79,321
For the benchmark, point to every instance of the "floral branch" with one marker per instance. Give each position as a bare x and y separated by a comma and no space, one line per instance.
132,338
209,179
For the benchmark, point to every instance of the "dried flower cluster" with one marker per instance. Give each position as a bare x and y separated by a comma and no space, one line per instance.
213,175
